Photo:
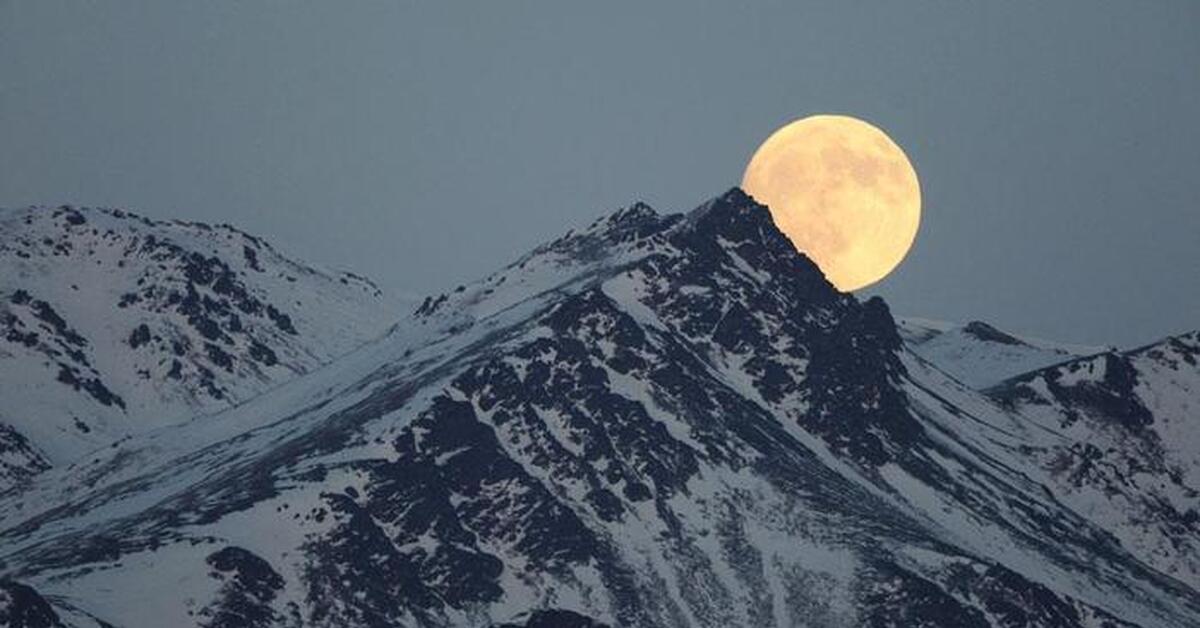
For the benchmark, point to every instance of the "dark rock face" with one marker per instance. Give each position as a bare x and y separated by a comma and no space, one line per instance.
1018,602
19,460
249,585
215,302
23,607
848,348
987,333
910,600
58,341
1110,397
1099,386
554,618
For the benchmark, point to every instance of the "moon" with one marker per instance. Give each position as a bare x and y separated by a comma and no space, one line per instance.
843,192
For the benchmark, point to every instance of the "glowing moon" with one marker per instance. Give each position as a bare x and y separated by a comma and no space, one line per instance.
843,192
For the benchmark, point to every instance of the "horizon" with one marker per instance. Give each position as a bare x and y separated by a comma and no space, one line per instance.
405,303
1056,147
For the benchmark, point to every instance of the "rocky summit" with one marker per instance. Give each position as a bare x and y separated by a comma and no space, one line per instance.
657,420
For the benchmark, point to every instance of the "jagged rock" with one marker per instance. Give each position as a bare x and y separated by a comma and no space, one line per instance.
654,421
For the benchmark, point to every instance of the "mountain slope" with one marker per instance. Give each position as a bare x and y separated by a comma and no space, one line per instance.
980,355
112,324
1117,441
656,421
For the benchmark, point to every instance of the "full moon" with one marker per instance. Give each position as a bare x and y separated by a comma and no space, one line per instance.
843,192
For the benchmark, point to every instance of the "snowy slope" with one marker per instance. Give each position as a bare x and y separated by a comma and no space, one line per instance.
980,355
112,324
656,421
1117,441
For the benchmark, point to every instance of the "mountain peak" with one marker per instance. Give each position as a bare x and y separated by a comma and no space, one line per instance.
734,203
112,323
639,211
735,223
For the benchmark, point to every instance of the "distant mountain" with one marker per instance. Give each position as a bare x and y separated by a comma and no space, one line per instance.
112,324
979,355
654,421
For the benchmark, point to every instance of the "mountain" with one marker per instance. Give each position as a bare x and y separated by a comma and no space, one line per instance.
654,421
112,325
979,355
1115,435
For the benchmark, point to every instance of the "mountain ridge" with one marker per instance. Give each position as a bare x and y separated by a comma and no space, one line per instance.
656,421
112,323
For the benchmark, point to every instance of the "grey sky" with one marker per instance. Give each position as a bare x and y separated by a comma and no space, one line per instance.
424,144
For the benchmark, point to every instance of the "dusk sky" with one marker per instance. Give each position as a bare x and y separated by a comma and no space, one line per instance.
424,145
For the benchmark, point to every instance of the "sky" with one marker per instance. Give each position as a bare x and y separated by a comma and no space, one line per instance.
425,144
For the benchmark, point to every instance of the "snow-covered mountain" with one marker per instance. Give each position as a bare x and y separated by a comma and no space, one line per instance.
1116,437
112,324
979,355
655,421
